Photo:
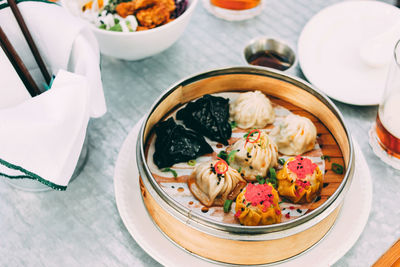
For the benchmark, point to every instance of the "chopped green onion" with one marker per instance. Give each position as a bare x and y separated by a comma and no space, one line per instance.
260,179
272,178
240,169
227,205
231,156
227,157
174,173
103,26
337,168
191,162
233,124
272,173
223,155
247,134
281,161
326,157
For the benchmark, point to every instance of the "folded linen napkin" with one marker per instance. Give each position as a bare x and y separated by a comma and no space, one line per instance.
41,138
65,42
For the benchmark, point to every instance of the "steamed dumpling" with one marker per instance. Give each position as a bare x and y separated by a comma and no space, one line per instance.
208,116
300,180
211,188
295,135
176,144
252,110
258,204
255,158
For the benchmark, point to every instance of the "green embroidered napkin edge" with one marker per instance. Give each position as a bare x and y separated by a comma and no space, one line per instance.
29,175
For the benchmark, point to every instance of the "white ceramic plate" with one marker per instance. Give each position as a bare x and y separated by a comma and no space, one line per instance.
157,245
329,45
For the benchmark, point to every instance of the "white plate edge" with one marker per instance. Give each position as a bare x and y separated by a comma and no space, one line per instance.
301,49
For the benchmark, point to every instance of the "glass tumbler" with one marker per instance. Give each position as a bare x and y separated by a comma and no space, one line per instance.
233,10
385,134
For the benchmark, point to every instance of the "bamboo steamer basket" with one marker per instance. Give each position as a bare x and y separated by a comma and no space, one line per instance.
237,244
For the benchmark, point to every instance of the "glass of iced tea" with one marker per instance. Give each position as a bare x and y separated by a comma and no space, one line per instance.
233,9
385,134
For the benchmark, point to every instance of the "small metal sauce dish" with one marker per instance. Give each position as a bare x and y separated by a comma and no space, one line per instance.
270,52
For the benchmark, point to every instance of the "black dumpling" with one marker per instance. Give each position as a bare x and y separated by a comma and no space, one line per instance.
176,144
209,116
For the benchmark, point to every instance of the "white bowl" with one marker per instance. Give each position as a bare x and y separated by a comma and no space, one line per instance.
141,44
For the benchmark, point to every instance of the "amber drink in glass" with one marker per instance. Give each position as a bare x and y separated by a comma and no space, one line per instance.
387,128
234,9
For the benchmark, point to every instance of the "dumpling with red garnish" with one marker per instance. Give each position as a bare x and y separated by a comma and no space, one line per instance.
258,204
255,155
300,180
212,182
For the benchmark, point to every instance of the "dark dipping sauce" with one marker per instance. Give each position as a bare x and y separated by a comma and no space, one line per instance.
270,59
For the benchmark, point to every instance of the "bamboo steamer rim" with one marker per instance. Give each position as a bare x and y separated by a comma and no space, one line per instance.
237,232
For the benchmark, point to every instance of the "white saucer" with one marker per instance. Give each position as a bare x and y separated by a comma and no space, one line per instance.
329,45
157,245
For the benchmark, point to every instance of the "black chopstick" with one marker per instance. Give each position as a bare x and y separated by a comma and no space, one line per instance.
18,65
29,39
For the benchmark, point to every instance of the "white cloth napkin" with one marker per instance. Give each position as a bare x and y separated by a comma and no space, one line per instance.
41,138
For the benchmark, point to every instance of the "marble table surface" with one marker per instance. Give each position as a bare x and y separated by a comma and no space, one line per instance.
82,227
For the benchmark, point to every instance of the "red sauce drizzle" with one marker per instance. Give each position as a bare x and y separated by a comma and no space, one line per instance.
302,166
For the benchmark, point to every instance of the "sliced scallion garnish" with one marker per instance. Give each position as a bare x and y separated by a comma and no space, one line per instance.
260,179
231,156
174,173
227,205
272,173
281,161
223,155
326,157
191,162
272,178
247,134
337,168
